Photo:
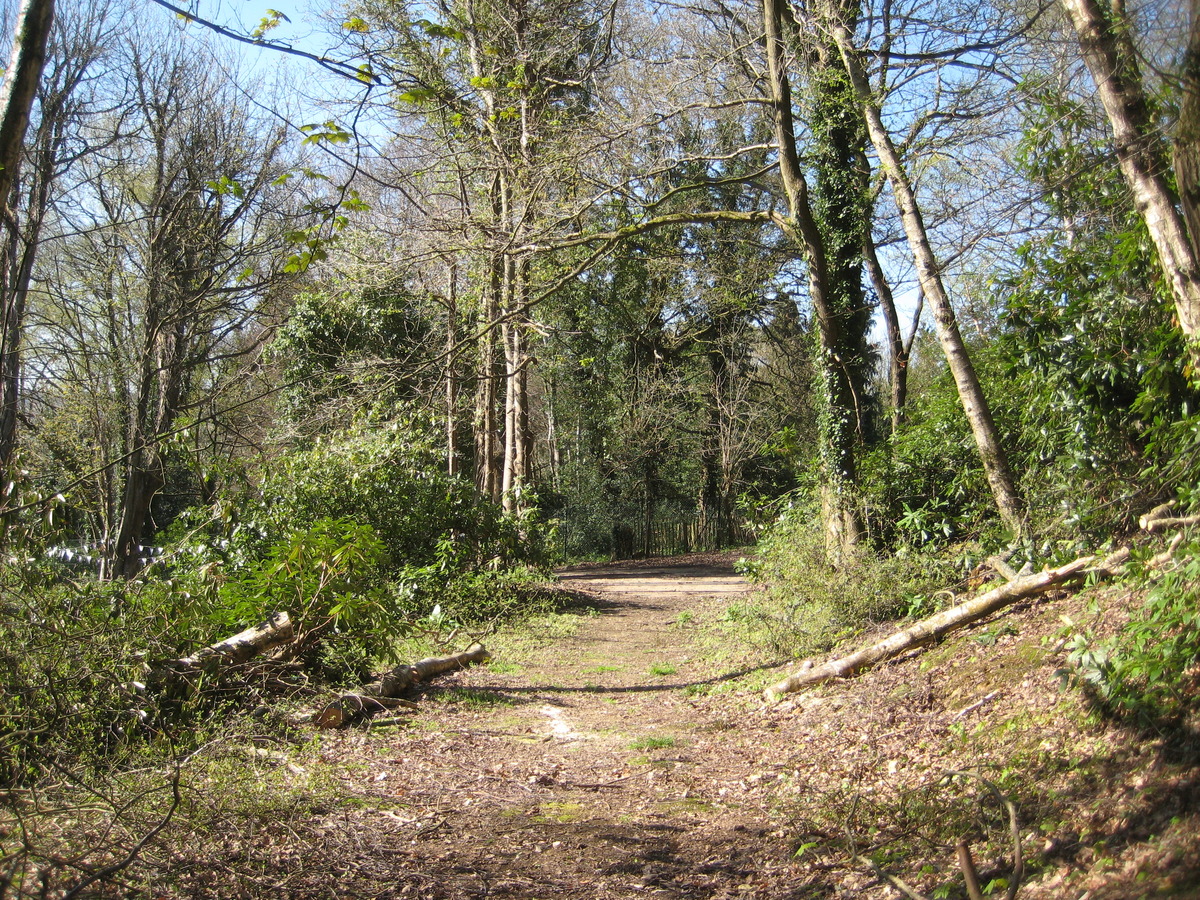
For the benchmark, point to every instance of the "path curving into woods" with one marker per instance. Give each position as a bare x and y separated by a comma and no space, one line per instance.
616,766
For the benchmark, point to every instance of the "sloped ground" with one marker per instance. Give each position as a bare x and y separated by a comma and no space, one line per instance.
622,761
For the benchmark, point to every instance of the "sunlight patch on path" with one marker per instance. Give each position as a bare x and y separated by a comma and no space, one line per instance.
559,726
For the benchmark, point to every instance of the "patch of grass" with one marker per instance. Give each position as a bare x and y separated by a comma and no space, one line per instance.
686,617
474,698
663,669
664,742
523,641
600,670
501,667
563,813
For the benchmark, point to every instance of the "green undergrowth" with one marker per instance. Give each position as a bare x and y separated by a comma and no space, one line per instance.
163,810
811,603
516,641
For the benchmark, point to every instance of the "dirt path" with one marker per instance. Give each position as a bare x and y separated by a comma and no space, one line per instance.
599,772
627,754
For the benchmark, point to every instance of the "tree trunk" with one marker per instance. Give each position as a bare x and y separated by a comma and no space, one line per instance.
18,273
487,459
970,391
842,528
1107,47
143,479
452,461
1187,136
34,20
899,348
276,630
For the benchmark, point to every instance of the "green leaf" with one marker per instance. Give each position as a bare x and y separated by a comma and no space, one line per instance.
418,95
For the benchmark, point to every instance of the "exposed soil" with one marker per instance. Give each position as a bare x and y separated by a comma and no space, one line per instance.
623,762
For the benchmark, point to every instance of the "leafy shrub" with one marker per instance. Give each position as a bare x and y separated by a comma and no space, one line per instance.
810,602
463,596
331,580
74,660
1149,670
1096,362
925,486
390,478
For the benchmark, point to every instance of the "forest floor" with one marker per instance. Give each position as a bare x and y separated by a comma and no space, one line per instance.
626,752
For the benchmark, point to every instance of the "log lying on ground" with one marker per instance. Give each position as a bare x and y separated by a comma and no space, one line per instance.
384,692
238,649
946,621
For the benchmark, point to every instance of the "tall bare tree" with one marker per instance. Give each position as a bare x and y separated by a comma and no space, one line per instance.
1106,40
180,233
22,78
970,391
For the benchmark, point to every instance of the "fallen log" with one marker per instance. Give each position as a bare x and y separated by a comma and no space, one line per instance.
276,630
382,693
948,620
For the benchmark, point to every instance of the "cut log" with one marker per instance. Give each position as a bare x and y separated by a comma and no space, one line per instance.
238,649
374,697
944,622
1162,524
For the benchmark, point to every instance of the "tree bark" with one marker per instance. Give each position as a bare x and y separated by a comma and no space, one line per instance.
452,461
899,348
350,707
1187,135
34,21
1107,47
487,459
970,391
241,647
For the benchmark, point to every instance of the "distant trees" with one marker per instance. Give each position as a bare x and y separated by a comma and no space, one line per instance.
594,237
172,239
488,100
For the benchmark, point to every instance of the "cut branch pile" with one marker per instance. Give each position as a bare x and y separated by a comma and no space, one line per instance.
278,634
1019,586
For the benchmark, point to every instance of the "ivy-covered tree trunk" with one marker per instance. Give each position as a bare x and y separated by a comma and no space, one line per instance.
830,232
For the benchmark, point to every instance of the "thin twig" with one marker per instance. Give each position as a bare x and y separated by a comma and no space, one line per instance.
895,882
114,868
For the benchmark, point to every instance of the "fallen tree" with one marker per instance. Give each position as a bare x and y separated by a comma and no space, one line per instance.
274,632
386,691
1018,587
